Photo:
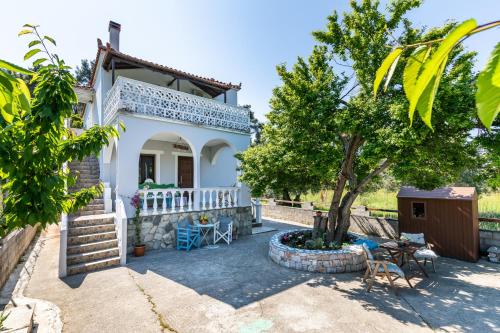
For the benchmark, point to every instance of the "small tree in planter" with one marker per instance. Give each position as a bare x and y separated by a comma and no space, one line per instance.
139,247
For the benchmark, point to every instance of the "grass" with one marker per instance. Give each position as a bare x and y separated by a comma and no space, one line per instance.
489,204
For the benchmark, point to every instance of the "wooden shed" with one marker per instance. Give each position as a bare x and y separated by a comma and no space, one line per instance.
447,216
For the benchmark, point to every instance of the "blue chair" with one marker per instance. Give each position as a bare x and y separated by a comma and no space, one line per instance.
188,237
372,245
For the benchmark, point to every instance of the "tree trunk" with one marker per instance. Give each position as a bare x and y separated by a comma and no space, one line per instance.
350,148
344,216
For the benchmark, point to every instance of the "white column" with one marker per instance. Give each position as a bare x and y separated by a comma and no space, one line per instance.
181,201
202,193
196,179
155,203
172,194
145,203
164,202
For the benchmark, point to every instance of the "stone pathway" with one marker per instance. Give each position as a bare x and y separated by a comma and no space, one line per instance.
237,288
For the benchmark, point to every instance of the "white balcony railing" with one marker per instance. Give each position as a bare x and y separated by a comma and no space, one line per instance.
164,201
152,100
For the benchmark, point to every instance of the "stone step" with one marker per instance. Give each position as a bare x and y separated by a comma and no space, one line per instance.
91,229
87,176
93,265
86,257
93,207
88,212
91,247
87,220
90,238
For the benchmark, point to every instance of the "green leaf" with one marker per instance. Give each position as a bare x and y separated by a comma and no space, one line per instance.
488,89
24,88
412,69
426,101
382,70
33,43
432,66
39,61
7,81
24,32
31,53
391,72
11,67
50,39
29,26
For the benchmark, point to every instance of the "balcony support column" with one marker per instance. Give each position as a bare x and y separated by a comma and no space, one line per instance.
196,180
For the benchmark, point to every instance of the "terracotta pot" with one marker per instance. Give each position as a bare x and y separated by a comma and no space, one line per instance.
139,250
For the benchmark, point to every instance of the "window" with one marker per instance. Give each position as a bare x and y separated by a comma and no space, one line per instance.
418,210
146,168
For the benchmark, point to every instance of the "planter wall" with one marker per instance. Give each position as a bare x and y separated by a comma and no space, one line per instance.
352,259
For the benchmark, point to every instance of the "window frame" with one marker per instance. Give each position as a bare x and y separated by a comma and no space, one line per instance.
412,211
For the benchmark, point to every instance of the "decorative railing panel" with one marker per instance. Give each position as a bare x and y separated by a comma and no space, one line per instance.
164,201
152,100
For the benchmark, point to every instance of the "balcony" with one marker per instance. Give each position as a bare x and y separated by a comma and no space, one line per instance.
156,101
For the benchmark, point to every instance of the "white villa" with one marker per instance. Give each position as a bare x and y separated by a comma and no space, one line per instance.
182,131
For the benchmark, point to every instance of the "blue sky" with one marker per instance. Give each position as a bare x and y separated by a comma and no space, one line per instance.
232,41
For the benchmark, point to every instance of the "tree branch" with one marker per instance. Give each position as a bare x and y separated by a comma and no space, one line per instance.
375,172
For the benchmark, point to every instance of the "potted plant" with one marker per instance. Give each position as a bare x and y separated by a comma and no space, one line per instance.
204,219
139,247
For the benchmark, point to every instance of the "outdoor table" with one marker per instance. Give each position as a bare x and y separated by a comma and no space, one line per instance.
398,252
205,232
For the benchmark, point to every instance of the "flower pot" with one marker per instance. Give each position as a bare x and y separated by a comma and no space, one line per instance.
139,250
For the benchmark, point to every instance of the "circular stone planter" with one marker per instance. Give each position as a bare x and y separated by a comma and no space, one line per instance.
349,259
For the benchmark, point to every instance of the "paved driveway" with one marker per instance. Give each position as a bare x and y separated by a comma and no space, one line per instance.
237,288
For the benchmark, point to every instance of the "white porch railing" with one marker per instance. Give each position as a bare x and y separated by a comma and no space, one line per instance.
152,100
164,201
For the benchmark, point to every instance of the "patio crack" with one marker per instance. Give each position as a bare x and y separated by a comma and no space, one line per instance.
418,314
165,326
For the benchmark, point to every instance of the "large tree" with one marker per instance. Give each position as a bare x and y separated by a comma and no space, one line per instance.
332,123
83,73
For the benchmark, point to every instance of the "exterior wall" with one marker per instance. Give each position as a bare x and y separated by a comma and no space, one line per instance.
158,231
146,75
223,170
140,129
12,248
451,226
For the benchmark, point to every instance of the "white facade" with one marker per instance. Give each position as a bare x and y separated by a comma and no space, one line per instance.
157,116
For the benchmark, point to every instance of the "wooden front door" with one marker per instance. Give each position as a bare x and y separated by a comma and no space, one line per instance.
146,168
185,172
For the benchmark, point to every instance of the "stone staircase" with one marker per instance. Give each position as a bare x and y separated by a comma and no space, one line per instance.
92,241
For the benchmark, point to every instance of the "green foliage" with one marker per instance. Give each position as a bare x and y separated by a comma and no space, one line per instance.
83,73
35,144
488,89
425,69
319,115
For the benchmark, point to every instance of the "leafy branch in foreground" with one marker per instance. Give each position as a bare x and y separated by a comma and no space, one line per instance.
34,142
425,66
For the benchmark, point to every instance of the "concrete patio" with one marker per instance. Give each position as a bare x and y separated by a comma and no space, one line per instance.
237,288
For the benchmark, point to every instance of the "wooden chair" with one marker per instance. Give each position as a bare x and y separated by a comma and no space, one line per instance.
381,268
425,252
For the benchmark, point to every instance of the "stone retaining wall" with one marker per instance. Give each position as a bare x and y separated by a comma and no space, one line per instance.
350,259
363,224
12,248
158,231
488,238
298,215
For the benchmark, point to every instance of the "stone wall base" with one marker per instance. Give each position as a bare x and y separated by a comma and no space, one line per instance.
158,231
